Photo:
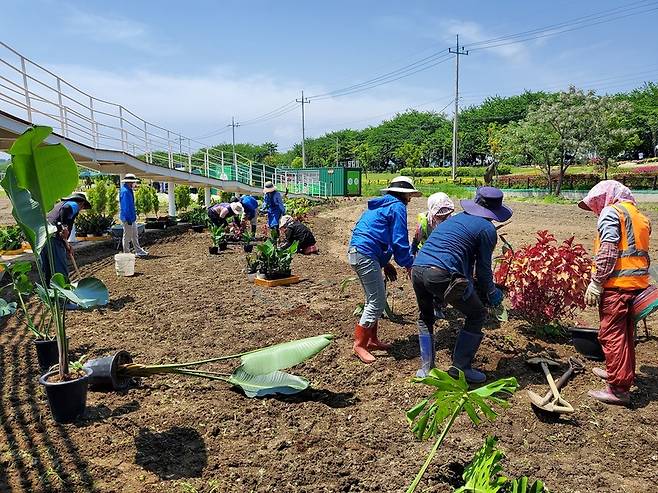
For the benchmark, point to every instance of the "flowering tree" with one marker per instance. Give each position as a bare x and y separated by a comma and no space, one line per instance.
546,281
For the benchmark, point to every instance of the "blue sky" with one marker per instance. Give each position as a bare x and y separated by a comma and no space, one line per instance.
190,66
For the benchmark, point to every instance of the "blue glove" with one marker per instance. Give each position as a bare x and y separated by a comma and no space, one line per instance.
496,297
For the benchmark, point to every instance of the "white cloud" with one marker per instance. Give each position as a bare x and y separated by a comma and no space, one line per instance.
472,32
198,104
115,29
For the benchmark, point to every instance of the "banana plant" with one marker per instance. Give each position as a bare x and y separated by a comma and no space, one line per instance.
448,401
274,261
259,373
37,178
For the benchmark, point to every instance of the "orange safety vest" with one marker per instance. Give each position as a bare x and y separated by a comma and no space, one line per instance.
632,267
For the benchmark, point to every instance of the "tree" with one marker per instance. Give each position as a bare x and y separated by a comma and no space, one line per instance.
410,155
645,115
297,162
182,197
612,133
366,155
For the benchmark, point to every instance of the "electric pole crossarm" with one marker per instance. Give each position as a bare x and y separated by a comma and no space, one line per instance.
233,125
455,124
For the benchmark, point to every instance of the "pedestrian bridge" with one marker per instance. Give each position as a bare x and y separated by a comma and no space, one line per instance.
109,138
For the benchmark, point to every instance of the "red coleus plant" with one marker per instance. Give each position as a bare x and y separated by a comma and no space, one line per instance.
546,281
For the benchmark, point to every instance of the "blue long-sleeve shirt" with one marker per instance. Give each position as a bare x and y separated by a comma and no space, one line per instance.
273,204
381,232
250,205
127,204
462,244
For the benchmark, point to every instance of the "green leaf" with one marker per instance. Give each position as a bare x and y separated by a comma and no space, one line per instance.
483,473
416,410
86,293
520,485
285,355
27,212
501,313
277,382
48,172
7,308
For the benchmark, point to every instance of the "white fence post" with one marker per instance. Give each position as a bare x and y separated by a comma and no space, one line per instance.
124,144
146,144
28,103
170,156
94,137
61,107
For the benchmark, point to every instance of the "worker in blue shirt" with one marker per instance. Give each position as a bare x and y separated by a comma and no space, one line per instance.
380,233
62,217
250,206
128,215
444,268
273,204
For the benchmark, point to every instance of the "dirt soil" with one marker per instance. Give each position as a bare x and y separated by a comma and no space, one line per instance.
346,434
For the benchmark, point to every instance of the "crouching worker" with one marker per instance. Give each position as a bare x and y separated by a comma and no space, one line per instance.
439,208
380,233
443,270
621,272
62,217
219,214
292,230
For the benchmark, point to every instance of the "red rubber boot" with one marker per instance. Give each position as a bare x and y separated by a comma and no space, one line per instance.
361,337
374,344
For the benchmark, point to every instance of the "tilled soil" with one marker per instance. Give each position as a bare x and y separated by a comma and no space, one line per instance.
348,433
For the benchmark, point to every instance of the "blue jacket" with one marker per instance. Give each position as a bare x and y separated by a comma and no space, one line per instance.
462,244
127,204
273,204
250,205
381,232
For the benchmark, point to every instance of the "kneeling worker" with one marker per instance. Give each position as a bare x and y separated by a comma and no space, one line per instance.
292,231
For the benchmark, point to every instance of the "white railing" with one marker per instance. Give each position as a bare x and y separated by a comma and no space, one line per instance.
33,93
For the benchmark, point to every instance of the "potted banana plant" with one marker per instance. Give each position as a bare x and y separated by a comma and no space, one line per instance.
218,236
38,176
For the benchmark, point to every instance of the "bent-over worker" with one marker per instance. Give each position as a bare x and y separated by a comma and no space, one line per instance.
219,214
443,270
380,233
621,272
62,217
292,230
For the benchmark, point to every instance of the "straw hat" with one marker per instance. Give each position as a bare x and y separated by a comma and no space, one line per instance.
130,178
236,207
269,187
402,184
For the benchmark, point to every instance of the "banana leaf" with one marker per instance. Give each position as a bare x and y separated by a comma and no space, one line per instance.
277,382
86,293
285,355
27,212
48,172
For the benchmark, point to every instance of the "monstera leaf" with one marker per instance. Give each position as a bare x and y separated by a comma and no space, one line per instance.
87,293
28,213
7,308
48,172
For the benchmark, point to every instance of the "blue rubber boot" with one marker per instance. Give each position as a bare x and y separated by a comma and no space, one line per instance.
465,349
427,352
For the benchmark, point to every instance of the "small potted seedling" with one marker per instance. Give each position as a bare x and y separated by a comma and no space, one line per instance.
218,236
248,237
274,264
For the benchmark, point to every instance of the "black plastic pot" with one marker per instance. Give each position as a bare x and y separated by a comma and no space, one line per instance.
156,225
198,228
586,342
67,400
104,372
213,250
248,248
47,354
223,246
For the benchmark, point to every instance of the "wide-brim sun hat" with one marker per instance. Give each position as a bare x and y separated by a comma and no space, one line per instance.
269,187
236,207
488,203
284,221
130,178
79,197
402,184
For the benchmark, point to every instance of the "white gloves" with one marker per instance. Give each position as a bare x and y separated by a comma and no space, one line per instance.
593,293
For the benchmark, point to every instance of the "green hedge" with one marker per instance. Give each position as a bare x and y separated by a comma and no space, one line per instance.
472,171
581,181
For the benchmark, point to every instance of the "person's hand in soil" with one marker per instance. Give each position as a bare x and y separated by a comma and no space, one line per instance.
390,273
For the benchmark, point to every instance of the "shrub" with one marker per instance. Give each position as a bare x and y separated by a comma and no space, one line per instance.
104,198
183,198
471,171
646,169
546,281
143,200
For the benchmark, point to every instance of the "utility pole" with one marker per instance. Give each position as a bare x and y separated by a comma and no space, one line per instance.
233,125
455,125
303,101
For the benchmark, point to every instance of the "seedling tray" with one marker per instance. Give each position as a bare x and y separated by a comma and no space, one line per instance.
270,283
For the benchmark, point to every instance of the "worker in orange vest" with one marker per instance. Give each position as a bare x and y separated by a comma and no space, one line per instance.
621,272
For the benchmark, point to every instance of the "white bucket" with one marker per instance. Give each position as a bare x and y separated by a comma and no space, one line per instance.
124,263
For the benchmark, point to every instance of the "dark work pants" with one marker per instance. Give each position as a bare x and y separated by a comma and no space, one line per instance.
60,258
430,283
216,220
